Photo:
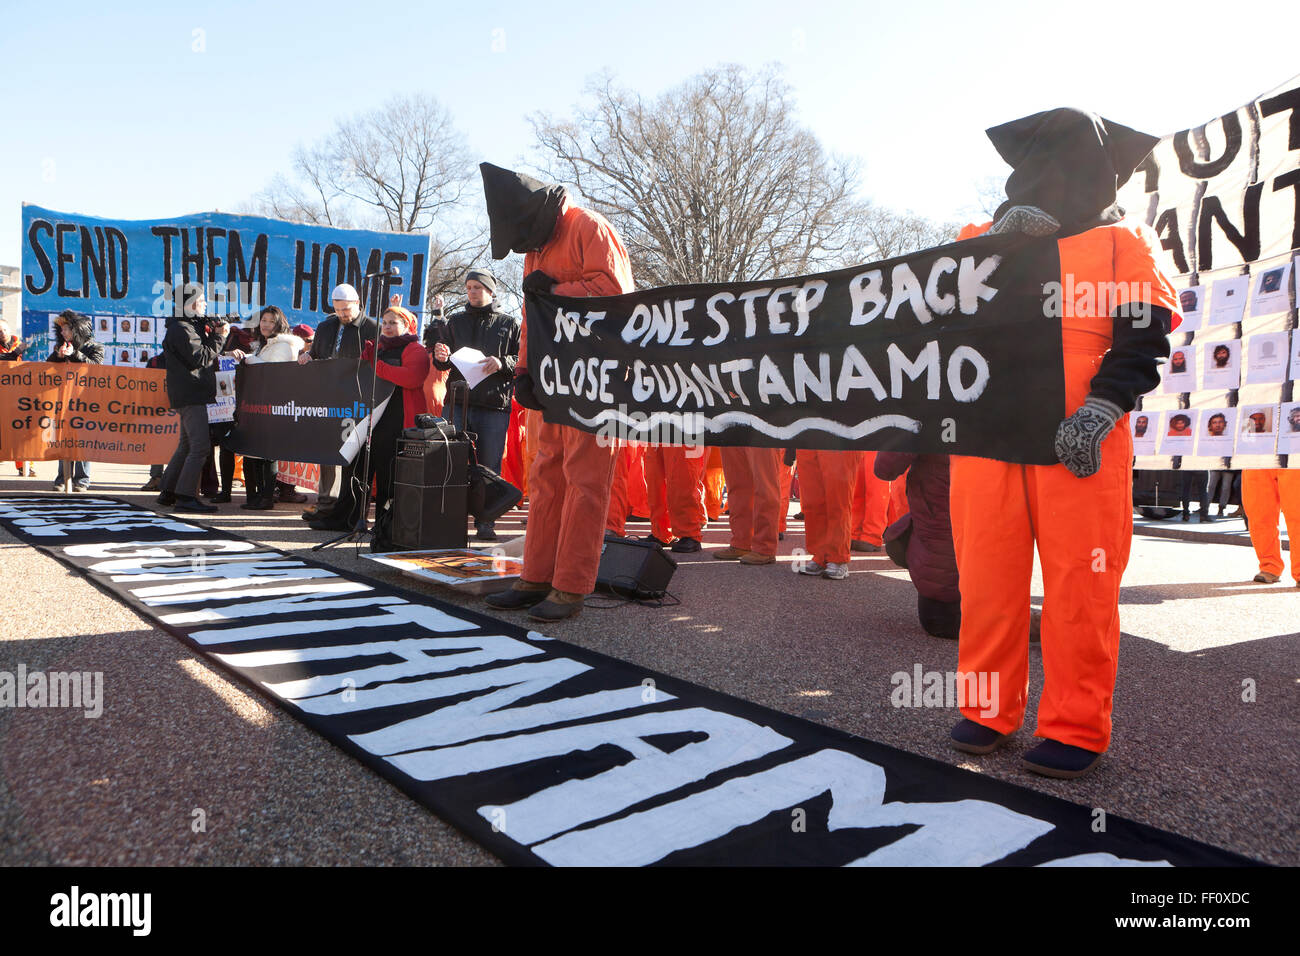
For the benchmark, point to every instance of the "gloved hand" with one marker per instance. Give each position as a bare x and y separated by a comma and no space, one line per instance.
1030,220
1079,437
788,457
368,352
539,282
525,392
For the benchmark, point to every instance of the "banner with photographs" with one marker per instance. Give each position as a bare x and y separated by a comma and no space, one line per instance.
1224,199
953,350
316,412
129,275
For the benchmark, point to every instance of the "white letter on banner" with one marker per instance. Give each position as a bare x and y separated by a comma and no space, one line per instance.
926,362
964,833
731,741
480,650
970,282
866,290
964,353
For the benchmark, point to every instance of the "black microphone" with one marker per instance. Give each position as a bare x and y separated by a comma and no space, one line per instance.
392,270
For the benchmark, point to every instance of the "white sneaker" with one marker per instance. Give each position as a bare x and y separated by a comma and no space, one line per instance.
836,572
813,568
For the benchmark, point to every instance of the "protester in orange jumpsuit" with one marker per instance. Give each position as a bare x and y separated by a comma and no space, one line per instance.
1067,166
568,251
826,481
754,504
628,493
1266,493
674,480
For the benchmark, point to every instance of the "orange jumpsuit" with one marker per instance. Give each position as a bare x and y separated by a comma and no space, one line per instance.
569,480
754,499
870,503
674,480
826,481
1266,493
1082,526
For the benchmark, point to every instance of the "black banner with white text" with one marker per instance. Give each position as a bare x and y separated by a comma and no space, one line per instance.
953,350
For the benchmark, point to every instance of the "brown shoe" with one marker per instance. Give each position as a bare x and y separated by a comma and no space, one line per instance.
1266,577
558,606
523,594
730,554
753,557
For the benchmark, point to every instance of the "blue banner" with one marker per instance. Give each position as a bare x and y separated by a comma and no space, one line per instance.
109,268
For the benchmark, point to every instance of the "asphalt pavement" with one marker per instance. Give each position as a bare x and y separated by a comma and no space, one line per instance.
186,767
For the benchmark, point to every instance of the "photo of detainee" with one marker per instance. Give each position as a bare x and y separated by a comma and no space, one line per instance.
1257,429
106,327
1216,432
1179,426
1190,301
1140,425
1217,425
1223,364
144,326
1180,373
1178,432
1271,281
1288,439
1271,293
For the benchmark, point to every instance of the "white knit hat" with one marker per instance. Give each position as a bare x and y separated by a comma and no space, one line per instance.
345,293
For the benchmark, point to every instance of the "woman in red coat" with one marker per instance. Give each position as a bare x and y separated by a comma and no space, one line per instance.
404,361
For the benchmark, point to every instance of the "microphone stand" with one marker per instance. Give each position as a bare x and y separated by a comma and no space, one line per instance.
361,529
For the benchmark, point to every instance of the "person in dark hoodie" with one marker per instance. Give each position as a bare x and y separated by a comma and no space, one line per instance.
568,251
191,347
921,540
1066,168
76,344
481,326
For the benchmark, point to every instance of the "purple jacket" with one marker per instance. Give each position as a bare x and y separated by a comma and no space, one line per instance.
931,560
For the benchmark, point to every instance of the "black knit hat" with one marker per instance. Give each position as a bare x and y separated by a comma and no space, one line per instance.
484,278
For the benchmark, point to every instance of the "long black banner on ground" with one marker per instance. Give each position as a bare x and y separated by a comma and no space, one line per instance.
549,753
954,350
290,412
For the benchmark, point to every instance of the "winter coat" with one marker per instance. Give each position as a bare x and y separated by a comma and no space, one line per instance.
282,348
492,333
191,347
405,362
931,560
84,347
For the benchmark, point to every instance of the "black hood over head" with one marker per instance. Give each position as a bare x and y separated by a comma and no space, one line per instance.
1069,163
521,211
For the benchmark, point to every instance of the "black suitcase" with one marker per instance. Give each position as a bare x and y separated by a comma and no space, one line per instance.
431,492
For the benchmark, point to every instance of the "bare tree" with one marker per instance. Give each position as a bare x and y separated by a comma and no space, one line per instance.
401,168
713,182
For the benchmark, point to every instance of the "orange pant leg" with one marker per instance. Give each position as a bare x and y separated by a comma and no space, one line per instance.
656,485
685,478
1085,528
714,480
1261,499
740,497
754,497
897,499
638,499
786,477
1288,487
512,461
994,543
812,501
870,503
571,478
532,432
616,514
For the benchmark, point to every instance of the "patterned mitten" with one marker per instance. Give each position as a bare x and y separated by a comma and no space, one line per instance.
1079,437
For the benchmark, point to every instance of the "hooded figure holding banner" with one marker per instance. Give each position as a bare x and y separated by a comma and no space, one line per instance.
1066,168
571,252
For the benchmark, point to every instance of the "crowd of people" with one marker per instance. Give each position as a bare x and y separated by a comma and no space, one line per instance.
941,517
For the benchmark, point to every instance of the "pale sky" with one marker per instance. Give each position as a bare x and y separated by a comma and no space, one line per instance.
112,111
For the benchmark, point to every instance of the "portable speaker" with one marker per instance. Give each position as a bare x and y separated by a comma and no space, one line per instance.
636,569
427,517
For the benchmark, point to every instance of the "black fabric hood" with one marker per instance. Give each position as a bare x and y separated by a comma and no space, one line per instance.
521,211
1069,163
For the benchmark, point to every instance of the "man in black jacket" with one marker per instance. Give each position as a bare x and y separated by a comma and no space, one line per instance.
480,326
340,336
191,346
